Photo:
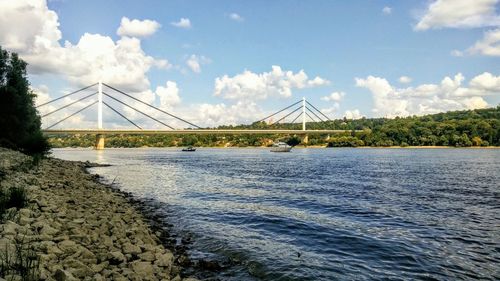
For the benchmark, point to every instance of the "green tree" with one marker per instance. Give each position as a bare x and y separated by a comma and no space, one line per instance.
19,119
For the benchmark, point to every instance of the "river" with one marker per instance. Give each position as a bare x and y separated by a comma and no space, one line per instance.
322,214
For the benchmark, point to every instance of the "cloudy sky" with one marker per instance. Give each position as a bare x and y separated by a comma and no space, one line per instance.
230,62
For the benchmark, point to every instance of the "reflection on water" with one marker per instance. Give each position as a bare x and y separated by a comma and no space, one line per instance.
324,214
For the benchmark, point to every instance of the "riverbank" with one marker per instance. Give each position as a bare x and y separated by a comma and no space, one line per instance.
74,228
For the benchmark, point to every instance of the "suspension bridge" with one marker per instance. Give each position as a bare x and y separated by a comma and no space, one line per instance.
301,108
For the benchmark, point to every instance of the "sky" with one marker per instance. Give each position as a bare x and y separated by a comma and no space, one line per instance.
232,62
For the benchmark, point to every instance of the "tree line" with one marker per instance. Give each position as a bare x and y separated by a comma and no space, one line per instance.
480,127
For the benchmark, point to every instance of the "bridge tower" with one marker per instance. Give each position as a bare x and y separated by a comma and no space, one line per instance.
99,142
305,138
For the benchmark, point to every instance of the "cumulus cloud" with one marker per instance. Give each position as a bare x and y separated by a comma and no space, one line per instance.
31,29
169,95
137,28
459,14
450,94
182,23
236,17
404,79
489,45
387,10
353,114
335,96
254,86
194,62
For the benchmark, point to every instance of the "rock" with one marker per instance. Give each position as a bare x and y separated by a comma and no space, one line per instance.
115,258
68,246
48,230
164,260
63,275
142,268
10,228
147,256
129,248
97,268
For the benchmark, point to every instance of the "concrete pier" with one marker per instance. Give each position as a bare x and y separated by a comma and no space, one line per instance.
99,142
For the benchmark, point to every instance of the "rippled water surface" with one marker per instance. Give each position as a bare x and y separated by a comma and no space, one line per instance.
324,214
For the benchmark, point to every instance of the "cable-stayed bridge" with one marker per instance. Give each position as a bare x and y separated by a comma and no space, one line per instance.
300,109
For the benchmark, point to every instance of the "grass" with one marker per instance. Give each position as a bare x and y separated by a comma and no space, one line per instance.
23,262
14,197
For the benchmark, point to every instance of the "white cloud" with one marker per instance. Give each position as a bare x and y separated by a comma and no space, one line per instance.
335,96
459,14
194,62
489,45
236,17
169,95
457,53
32,30
353,114
404,79
387,10
182,23
450,94
137,28
253,86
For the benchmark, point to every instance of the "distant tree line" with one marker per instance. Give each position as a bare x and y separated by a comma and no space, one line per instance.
480,127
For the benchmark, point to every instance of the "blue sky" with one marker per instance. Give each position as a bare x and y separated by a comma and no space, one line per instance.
342,42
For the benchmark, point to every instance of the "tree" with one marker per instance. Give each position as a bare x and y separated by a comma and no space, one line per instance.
19,119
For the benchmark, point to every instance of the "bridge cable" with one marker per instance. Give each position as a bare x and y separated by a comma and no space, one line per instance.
67,95
310,117
279,111
315,114
70,104
123,116
138,111
298,108
71,115
318,111
300,114
152,106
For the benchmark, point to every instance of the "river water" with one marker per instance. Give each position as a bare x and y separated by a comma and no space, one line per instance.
323,214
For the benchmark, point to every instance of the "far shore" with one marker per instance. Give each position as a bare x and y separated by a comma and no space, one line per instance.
298,147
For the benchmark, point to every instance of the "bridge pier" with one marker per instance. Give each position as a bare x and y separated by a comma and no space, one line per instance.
99,142
305,139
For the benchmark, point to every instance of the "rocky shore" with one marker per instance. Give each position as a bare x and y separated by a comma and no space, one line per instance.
74,228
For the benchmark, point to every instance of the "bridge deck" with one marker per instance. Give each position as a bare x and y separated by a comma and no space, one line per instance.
185,132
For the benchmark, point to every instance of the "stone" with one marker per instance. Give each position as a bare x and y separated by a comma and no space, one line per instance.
48,230
68,246
142,268
164,260
63,275
10,228
147,256
97,268
129,248
116,258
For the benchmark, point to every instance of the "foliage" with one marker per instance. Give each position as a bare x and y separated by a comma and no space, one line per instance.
480,127
19,119
14,197
293,141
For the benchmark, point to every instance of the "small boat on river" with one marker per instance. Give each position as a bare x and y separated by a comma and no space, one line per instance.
189,149
281,147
